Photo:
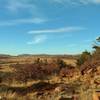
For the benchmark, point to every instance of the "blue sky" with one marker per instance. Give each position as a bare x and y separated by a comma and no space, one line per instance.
48,26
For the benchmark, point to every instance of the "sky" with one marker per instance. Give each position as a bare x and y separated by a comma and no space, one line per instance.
48,26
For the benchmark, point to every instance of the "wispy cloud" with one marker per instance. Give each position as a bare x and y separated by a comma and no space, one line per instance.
17,5
22,8
41,36
38,39
76,2
88,40
58,30
90,1
22,21
26,10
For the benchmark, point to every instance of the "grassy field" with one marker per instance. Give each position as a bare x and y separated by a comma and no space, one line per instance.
56,86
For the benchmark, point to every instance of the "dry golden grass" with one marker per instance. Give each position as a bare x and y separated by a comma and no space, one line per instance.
52,80
6,68
70,61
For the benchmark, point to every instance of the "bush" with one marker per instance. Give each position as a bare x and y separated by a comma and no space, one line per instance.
83,57
25,72
61,64
89,63
67,71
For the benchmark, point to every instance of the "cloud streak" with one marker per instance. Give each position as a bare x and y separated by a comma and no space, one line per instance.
22,21
38,39
77,2
58,30
41,36
22,7
90,1
17,5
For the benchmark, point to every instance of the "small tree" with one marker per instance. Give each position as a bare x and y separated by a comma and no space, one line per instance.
96,46
83,57
94,62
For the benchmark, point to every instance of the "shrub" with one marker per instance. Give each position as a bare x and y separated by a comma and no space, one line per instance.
50,69
67,71
90,65
25,72
83,57
61,64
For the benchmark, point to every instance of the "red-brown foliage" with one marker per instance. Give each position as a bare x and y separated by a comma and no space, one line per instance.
24,72
68,71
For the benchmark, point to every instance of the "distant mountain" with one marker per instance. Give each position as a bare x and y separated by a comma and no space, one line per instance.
25,55
4,56
41,55
50,55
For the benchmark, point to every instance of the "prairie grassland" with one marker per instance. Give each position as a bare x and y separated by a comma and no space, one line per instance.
56,86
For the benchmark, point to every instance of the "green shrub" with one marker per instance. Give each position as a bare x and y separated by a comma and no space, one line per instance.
83,57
